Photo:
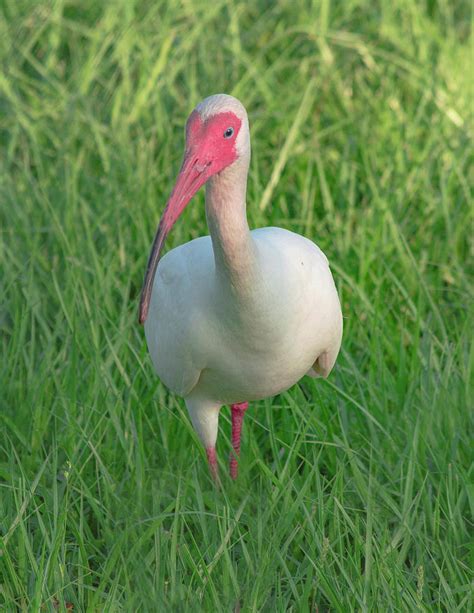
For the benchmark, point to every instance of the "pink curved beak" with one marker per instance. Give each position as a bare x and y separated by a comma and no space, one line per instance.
191,177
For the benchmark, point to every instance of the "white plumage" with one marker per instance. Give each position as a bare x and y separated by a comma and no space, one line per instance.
239,315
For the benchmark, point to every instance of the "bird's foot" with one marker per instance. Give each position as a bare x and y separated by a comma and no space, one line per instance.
238,412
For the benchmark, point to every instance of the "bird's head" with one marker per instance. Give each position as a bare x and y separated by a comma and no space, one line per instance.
217,136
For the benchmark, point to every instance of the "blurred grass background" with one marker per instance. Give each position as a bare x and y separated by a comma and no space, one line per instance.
353,492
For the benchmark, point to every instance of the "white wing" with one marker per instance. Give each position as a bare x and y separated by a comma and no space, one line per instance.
176,320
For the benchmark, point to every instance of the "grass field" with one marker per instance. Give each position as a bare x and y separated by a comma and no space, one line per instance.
353,492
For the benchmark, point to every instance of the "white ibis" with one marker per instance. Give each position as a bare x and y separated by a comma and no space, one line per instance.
238,315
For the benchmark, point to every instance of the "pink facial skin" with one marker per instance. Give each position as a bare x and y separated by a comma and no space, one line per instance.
207,142
210,147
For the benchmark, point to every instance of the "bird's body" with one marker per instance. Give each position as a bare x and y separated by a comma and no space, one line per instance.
238,315
209,342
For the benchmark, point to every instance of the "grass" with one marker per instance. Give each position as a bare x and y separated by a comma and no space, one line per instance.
353,492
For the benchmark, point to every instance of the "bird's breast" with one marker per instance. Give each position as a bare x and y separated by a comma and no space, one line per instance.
265,341
241,343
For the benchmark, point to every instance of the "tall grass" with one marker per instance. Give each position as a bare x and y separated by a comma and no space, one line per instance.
353,492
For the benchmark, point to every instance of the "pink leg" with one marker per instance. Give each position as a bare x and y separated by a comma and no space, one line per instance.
212,460
238,411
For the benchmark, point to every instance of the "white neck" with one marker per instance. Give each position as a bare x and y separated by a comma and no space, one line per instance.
234,250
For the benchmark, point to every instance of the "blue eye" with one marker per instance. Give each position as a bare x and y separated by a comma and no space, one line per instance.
228,133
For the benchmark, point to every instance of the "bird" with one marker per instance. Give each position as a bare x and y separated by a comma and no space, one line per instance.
239,315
